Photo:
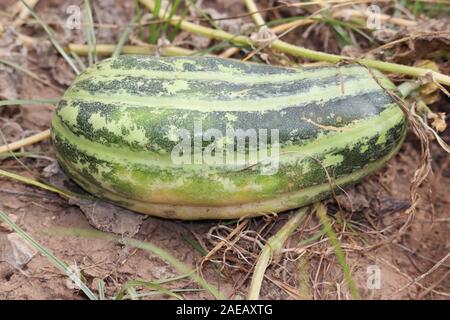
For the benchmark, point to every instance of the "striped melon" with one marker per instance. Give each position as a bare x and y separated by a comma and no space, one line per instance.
119,128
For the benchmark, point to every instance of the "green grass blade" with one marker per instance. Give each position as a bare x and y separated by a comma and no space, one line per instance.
316,236
304,286
30,74
154,293
90,33
342,25
137,17
194,244
123,38
61,265
178,265
173,10
154,34
63,193
417,8
147,284
24,101
176,29
78,60
132,293
280,21
20,154
101,290
121,294
343,37
52,38
332,237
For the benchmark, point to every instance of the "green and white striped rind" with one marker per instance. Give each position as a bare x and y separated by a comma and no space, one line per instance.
113,132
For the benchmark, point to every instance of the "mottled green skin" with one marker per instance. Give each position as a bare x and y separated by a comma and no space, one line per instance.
112,132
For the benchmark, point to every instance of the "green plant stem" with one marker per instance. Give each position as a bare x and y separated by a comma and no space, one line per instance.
108,49
273,247
303,52
256,15
408,87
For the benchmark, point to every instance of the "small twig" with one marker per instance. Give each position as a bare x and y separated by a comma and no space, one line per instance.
404,275
25,142
405,39
434,285
383,17
229,52
219,245
256,15
292,25
415,253
23,13
422,276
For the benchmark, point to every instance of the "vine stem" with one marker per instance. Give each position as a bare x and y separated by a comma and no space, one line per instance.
300,51
108,49
273,246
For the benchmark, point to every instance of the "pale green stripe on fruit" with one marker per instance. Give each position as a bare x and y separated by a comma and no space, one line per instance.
316,94
300,74
348,136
